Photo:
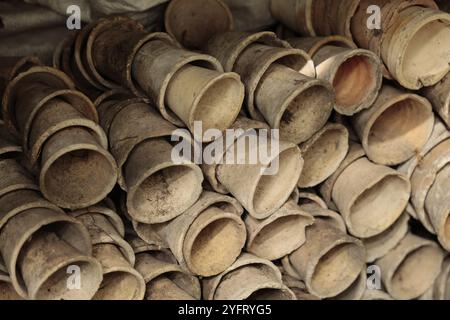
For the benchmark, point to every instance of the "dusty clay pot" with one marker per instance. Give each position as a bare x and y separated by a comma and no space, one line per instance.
208,237
295,104
411,268
439,134
323,154
329,262
14,177
120,280
410,63
396,127
422,180
27,90
250,278
165,280
76,171
330,217
37,272
355,74
261,195
439,97
437,208
193,23
188,86
379,245
279,234
370,205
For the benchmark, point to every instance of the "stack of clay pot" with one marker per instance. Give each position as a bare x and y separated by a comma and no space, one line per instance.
39,243
186,86
397,31
60,137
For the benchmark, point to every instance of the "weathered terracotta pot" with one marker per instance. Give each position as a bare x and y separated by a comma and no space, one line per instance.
55,115
136,132
439,97
208,237
307,18
325,215
166,280
265,63
260,190
76,171
10,67
35,269
279,234
414,48
372,38
380,245
193,23
250,278
323,154
396,127
370,197
329,262
411,268
188,86
296,14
